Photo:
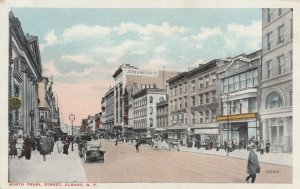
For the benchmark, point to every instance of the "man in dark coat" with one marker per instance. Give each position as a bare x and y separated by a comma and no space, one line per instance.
44,146
27,147
66,146
252,166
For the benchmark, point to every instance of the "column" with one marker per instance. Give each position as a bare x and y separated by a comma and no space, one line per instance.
264,130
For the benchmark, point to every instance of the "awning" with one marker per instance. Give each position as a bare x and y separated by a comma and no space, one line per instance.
177,128
160,129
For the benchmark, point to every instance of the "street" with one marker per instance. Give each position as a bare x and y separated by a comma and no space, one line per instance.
123,164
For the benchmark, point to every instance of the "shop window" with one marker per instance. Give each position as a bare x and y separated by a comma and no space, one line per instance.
255,77
273,100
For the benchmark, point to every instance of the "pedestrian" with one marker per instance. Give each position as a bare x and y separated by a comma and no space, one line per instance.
59,145
137,145
66,146
44,146
257,145
252,166
218,146
262,147
12,146
27,147
19,146
225,145
116,142
268,146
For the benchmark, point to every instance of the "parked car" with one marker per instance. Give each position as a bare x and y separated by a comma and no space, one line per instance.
91,151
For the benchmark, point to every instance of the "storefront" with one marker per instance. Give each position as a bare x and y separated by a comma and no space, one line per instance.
240,126
178,133
204,134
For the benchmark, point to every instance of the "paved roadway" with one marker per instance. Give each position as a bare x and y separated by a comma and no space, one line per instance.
123,165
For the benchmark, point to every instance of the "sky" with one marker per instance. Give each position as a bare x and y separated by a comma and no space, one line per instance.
82,48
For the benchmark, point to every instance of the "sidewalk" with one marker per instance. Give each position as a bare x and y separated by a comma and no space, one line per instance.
58,167
273,158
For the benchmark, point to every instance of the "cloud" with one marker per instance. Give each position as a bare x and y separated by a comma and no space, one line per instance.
206,33
155,64
49,69
165,29
50,39
78,58
160,49
83,31
237,34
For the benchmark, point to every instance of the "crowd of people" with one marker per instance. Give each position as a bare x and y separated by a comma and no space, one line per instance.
22,146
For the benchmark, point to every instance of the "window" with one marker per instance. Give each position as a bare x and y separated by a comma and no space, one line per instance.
242,80
150,110
225,84
236,107
269,69
207,98
201,120
269,40
175,89
213,115
180,103
171,104
279,12
250,78
291,59
185,87
255,77
213,96
206,116
291,97
185,101
269,15
213,79
230,84
180,89
193,118
207,81
273,100
171,92
281,65
252,105
236,81
201,99
193,101
200,83
151,122
193,85
151,99
281,34
175,101
291,27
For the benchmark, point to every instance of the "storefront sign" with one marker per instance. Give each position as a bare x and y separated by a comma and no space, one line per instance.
14,103
207,131
236,117
141,72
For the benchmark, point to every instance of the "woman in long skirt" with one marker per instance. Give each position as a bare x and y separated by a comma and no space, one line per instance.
27,148
66,146
19,146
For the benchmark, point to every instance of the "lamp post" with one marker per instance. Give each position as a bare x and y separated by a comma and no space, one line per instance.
31,115
72,118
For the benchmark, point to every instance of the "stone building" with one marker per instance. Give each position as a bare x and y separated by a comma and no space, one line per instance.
162,117
144,110
277,73
128,75
193,103
25,71
108,104
239,89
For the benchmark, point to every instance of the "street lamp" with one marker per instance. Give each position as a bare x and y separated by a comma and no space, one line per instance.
31,115
72,118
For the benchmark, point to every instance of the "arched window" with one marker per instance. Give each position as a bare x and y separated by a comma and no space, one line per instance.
151,122
273,100
150,110
151,99
161,99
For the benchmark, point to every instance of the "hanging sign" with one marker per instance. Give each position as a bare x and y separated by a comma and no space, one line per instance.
14,103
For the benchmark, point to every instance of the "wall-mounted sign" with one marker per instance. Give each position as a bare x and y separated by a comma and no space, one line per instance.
14,103
236,117
141,72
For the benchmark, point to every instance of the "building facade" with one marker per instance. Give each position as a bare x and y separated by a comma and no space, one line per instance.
193,103
277,72
144,110
25,71
109,109
128,75
239,89
162,117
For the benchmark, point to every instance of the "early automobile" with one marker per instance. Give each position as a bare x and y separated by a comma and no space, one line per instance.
91,151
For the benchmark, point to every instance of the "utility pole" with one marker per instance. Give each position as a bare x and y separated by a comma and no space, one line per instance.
72,118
